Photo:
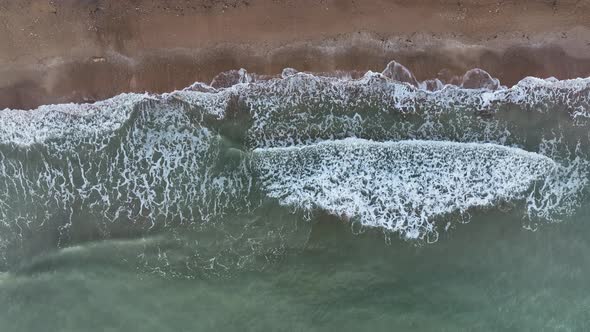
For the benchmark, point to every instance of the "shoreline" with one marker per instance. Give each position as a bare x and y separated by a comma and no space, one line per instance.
82,51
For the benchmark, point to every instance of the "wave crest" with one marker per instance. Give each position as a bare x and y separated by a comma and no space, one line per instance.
399,186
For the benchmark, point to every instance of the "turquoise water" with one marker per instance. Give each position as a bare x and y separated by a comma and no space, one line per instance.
303,203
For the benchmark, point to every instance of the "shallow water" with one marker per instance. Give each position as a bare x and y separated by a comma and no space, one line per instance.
302,203
489,274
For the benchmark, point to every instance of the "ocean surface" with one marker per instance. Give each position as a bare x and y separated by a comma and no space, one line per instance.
302,202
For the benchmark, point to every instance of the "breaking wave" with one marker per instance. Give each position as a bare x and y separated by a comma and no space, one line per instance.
401,186
382,149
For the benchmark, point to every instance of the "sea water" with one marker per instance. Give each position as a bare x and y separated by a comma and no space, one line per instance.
301,203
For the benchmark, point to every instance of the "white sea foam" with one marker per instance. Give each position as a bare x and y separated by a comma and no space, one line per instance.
66,121
304,108
161,168
152,157
399,186
283,108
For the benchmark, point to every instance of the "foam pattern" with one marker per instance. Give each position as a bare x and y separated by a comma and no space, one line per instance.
302,108
187,156
399,186
155,169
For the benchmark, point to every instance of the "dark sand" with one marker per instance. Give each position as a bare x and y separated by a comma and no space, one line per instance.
85,50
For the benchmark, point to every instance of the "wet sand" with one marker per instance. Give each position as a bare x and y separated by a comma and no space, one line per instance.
85,50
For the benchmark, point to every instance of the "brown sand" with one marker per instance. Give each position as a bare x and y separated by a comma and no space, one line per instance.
83,50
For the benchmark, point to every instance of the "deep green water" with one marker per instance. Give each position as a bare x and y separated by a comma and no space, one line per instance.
300,204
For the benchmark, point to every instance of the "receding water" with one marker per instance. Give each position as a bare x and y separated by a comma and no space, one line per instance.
301,203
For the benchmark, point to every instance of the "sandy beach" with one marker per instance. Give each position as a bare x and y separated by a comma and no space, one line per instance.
87,50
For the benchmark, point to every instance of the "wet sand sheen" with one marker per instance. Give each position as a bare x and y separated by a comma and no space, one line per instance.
91,50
